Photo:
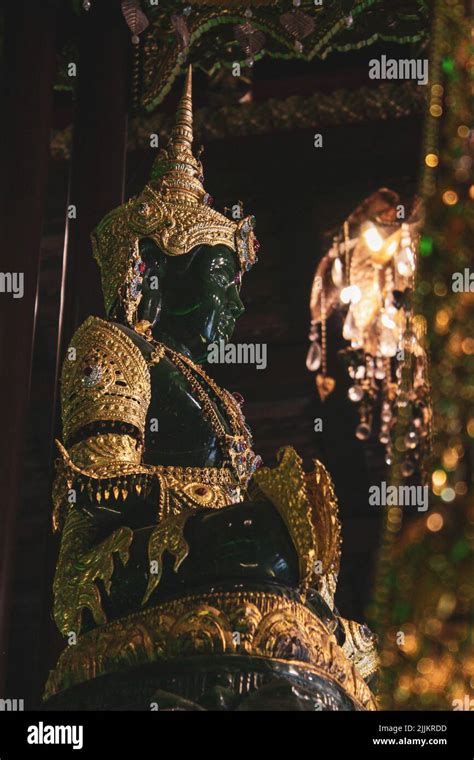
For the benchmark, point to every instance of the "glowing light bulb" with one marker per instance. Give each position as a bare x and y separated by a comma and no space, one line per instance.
387,322
434,522
351,294
391,248
388,342
388,345
337,272
346,294
373,238
439,478
406,262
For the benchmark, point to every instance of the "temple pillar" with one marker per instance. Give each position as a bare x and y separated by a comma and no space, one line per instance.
97,180
27,94
99,152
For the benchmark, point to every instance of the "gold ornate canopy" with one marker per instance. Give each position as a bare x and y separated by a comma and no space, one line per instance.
215,35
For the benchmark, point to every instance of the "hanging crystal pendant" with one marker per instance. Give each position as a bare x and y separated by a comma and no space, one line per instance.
405,262
411,439
313,359
337,274
388,342
355,393
313,331
349,326
389,332
379,370
350,330
363,431
379,325
402,400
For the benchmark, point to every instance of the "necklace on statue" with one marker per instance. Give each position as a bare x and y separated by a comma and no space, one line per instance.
236,445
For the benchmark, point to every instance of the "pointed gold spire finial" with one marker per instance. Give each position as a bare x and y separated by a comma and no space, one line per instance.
177,157
182,132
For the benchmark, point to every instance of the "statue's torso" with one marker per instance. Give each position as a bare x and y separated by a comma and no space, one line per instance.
177,431
246,543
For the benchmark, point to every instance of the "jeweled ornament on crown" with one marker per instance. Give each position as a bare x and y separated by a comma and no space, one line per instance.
91,375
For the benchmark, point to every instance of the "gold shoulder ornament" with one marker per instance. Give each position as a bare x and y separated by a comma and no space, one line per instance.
105,378
105,394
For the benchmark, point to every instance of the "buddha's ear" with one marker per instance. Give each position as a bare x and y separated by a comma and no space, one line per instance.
150,278
156,263
152,255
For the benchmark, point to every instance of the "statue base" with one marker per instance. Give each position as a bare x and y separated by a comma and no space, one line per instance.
211,683
238,650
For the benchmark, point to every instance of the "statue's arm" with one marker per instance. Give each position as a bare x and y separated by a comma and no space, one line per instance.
105,395
100,476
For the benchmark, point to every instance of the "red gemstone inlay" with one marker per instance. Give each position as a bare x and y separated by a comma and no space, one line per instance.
201,490
141,267
238,397
256,245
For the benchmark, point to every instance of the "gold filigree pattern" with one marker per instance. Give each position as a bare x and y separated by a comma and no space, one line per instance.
360,647
178,487
324,515
102,449
104,377
80,565
308,505
167,536
285,487
237,446
188,224
82,561
262,625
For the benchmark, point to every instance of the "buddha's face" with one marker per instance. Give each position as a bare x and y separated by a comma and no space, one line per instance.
200,300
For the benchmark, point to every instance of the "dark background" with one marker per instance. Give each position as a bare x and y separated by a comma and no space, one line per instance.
297,193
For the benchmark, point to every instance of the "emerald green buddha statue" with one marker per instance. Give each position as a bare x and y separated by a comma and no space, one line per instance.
189,576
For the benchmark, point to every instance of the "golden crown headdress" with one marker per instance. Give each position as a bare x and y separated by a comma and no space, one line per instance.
173,210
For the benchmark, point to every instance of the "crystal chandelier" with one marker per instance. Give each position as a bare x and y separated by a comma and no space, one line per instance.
368,276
